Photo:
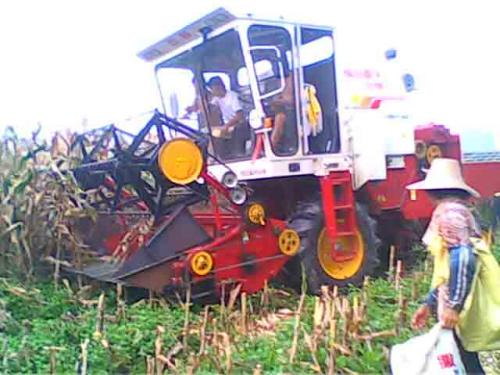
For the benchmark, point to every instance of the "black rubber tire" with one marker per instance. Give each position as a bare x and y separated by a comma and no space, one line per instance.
308,221
406,236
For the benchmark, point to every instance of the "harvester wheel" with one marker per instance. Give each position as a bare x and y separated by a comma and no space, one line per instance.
315,255
405,235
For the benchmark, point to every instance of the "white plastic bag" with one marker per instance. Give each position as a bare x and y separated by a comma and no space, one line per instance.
436,352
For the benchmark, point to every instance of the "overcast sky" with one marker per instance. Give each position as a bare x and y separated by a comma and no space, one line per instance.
63,61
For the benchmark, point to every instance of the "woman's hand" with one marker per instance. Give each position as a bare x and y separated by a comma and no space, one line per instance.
448,318
420,317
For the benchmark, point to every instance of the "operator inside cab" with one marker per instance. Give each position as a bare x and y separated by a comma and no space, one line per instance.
284,133
230,132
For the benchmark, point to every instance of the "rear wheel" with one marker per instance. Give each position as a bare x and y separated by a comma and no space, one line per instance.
357,258
405,236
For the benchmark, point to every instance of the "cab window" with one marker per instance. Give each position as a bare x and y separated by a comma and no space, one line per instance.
320,112
275,80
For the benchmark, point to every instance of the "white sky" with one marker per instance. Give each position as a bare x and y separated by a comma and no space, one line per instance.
63,61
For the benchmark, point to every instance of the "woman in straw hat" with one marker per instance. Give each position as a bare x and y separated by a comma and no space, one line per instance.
449,239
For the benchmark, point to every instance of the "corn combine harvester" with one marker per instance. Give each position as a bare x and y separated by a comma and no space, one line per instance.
310,174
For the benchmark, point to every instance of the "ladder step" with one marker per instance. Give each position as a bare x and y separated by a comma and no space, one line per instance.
343,206
341,181
346,233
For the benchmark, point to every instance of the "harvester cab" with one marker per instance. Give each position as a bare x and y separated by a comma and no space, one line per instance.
280,113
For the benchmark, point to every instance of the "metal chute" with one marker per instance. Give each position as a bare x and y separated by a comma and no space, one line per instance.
168,243
141,268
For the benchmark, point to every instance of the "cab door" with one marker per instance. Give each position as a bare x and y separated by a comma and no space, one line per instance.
317,86
270,52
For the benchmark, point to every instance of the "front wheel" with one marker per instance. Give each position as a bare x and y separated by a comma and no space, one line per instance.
357,256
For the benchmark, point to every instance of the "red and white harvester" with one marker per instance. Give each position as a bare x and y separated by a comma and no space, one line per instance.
188,201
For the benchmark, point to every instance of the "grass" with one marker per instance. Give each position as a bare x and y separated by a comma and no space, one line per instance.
42,329
38,320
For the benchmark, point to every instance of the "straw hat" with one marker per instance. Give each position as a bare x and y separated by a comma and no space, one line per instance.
443,174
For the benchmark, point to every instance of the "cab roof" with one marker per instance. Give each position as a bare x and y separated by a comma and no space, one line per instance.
212,21
187,34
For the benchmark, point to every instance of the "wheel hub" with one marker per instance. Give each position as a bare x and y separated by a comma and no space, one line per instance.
343,259
289,242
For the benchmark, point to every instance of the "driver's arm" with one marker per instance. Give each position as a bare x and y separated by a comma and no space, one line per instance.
236,107
286,96
278,129
238,117
214,116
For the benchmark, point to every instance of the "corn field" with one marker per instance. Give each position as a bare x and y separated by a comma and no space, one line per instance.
51,324
38,202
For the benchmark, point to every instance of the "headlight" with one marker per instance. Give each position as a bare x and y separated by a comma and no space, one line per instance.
238,195
229,179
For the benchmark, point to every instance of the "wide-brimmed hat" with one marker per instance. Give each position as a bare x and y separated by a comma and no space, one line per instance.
443,174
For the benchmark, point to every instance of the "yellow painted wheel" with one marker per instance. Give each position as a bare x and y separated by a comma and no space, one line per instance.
433,152
318,263
180,161
202,263
345,262
289,242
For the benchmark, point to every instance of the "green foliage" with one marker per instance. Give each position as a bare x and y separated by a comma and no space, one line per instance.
48,317
32,320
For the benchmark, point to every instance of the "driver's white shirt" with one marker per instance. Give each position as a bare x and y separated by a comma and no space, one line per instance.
229,104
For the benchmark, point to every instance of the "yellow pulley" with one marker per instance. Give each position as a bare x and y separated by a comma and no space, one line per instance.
256,214
289,242
433,152
180,161
420,149
202,263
